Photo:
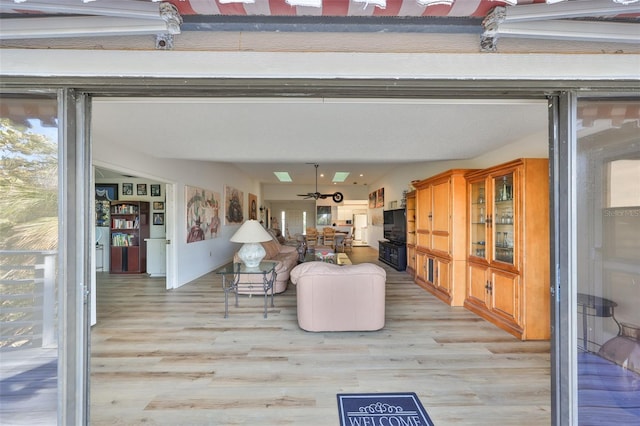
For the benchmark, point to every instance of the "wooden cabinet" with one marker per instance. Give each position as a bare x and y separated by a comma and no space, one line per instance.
441,222
129,229
508,247
411,233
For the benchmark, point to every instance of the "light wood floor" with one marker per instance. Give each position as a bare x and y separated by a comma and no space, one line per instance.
170,358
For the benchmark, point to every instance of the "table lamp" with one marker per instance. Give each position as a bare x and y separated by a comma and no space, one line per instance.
251,233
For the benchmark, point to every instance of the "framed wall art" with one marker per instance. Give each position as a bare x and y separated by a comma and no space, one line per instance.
158,218
127,189
233,202
203,207
380,198
142,189
253,206
155,190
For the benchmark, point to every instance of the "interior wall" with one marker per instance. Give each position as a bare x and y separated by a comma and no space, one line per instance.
195,259
534,146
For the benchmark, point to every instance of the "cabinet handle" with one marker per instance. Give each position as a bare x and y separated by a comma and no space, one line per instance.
488,286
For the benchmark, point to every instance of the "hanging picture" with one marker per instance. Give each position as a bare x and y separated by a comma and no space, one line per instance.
155,190
233,203
203,207
372,199
158,205
380,198
142,189
127,189
105,193
253,207
158,218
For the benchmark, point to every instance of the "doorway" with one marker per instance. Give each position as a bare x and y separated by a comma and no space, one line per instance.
124,185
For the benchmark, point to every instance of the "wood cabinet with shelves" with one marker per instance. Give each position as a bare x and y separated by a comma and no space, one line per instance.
508,247
440,250
129,229
411,233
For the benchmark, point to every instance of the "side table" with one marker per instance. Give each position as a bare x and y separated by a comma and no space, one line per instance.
231,279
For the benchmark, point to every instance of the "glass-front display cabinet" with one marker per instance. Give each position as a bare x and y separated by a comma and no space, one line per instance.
508,218
492,219
503,218
478,218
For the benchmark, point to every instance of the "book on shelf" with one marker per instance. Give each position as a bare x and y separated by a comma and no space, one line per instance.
120,239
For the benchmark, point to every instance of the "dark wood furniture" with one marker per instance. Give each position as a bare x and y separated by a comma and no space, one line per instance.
129,228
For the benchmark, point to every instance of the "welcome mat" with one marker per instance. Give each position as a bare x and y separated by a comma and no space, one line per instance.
382,409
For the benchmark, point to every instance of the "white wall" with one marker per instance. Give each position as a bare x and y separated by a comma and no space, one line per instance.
195,259
535,146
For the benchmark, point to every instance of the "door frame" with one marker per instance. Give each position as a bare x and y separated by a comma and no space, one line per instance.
561,95
170,218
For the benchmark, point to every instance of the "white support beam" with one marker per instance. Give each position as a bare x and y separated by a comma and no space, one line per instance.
119,8
85,26
572,30
569,9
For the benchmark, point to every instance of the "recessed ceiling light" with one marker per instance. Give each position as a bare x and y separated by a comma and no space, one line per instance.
321,174
283,176
340,176
361,174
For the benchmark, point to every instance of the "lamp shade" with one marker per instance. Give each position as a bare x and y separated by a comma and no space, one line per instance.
251,233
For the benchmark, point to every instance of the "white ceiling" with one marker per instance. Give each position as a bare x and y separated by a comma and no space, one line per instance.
361,136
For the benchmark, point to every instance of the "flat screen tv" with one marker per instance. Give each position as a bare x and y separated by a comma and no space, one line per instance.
395,225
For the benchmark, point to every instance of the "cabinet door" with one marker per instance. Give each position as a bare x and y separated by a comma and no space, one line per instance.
478,224
422,267
442,275
116,259
440,239
411,258
477,284
505,293
424,214
133,259
503,219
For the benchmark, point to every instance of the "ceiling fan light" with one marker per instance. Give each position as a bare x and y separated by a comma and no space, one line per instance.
283,176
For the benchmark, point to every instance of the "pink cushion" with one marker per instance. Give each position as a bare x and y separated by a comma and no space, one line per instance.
272,248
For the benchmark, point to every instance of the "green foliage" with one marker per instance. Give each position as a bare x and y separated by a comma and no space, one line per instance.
28,189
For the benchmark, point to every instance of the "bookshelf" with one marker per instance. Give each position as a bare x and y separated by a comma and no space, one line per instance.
129,228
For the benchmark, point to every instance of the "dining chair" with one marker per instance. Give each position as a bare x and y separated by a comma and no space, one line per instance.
348,243
339,242
328,236
312,239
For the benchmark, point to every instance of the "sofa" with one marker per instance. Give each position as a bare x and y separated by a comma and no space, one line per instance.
286,258
340,298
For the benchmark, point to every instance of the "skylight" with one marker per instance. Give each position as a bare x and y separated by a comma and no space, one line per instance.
340,176
283,176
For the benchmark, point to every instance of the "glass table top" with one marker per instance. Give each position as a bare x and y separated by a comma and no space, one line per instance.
265,266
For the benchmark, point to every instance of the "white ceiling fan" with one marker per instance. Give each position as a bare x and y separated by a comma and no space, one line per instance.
336,196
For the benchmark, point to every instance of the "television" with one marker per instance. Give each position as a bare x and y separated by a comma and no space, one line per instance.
395,225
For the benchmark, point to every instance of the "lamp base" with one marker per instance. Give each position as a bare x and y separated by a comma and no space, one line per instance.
251,254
